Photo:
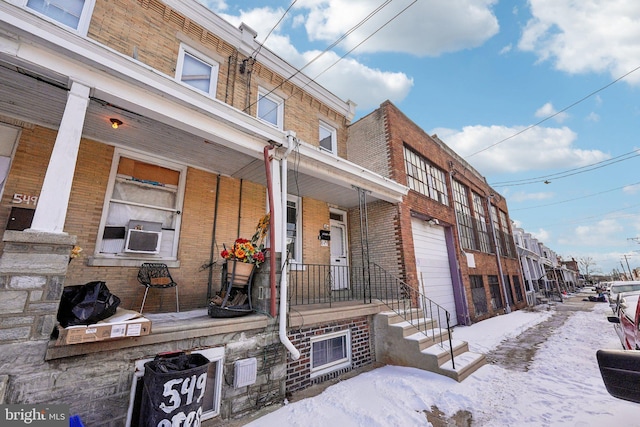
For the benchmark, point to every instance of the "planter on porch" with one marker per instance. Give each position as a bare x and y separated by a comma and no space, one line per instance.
235,300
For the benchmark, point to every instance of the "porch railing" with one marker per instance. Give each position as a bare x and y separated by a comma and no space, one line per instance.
327,284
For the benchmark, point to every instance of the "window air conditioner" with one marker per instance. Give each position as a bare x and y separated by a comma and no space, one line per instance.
143,241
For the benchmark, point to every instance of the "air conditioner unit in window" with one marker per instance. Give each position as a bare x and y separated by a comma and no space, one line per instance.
143,241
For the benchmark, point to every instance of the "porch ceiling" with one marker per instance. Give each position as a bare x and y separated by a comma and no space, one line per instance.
38,96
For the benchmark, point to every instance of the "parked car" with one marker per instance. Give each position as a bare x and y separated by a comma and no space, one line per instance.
621,287
627,320
620,370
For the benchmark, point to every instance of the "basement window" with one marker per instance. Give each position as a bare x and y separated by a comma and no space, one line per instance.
330,352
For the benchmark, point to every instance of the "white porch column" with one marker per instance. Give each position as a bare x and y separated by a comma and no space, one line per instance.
53,202
276,166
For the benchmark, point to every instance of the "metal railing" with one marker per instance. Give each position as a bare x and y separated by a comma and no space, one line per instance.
326,284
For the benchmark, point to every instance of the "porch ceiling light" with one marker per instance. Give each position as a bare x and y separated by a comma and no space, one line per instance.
115,123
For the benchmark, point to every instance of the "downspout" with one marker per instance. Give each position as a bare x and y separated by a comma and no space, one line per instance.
499,262
272,231
284,339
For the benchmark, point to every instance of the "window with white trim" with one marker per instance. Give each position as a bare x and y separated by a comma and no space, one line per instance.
294,229
270,108
74,14
141,215
327,138
330,352
196,70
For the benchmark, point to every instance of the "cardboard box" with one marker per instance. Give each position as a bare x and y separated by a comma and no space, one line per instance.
123,324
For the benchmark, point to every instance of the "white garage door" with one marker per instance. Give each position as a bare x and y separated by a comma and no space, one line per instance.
432,264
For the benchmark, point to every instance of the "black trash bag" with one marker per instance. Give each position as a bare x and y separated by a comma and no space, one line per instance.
173,390
86,304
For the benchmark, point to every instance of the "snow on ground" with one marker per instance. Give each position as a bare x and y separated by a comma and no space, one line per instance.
563,386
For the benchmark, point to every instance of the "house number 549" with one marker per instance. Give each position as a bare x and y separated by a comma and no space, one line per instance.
26,199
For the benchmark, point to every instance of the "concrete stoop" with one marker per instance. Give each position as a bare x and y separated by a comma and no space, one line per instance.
400,342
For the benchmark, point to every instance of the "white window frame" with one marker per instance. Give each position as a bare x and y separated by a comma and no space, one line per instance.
215,68
264,93
296,257
336,364
333,135
122,258
215,355
83,20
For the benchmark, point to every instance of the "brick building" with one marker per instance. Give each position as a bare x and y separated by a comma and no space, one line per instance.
160,119
446,230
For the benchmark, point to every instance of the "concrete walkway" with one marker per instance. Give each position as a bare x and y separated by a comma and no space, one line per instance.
517,354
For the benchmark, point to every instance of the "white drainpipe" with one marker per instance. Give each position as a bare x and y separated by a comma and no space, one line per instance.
284,339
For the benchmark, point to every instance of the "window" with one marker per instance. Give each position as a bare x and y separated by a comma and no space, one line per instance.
294,235
509,243
212,392
479,295
494,290
141,216
481,223
496,230
327,138
270,108
74,14
516,285
198,71
330,352
463,213
425,178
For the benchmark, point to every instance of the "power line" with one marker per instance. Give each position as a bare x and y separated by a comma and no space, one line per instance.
555,114
576,198
255,53
567,173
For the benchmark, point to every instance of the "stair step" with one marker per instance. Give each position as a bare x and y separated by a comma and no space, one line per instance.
466,364
443,351
409,329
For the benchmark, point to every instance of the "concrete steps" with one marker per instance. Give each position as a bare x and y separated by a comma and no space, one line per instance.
421,343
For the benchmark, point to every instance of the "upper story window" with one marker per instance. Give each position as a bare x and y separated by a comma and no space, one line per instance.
198,71
270,108
327,138
463,213
425,178
74,14
481,222
141,217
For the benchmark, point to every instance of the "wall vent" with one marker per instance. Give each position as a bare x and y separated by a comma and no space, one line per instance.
246,371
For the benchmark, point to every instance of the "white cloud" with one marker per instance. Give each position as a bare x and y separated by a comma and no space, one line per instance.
521,196
347,78
597,235
536,149
508,48
631,189
541,234
424,29
548,110
586,36
593,117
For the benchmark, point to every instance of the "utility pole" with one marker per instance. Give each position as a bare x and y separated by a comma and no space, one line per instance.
628,268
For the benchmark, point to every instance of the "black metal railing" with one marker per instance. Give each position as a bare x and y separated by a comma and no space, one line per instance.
326,284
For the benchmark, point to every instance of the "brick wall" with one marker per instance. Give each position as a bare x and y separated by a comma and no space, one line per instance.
362,351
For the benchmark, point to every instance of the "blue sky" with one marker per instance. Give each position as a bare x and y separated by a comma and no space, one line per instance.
493,80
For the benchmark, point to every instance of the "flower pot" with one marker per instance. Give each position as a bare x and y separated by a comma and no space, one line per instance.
239,272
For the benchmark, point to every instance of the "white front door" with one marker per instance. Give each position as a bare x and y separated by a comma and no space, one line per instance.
339,253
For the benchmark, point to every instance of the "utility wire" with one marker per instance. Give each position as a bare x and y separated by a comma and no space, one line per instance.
328,48
255,53
555,114
567,173
574,199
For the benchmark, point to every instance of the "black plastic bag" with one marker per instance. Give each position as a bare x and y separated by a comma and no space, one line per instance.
86,304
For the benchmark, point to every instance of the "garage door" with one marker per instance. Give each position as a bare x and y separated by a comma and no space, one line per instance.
432,264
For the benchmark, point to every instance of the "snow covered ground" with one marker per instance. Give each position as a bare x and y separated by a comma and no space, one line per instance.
562,387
